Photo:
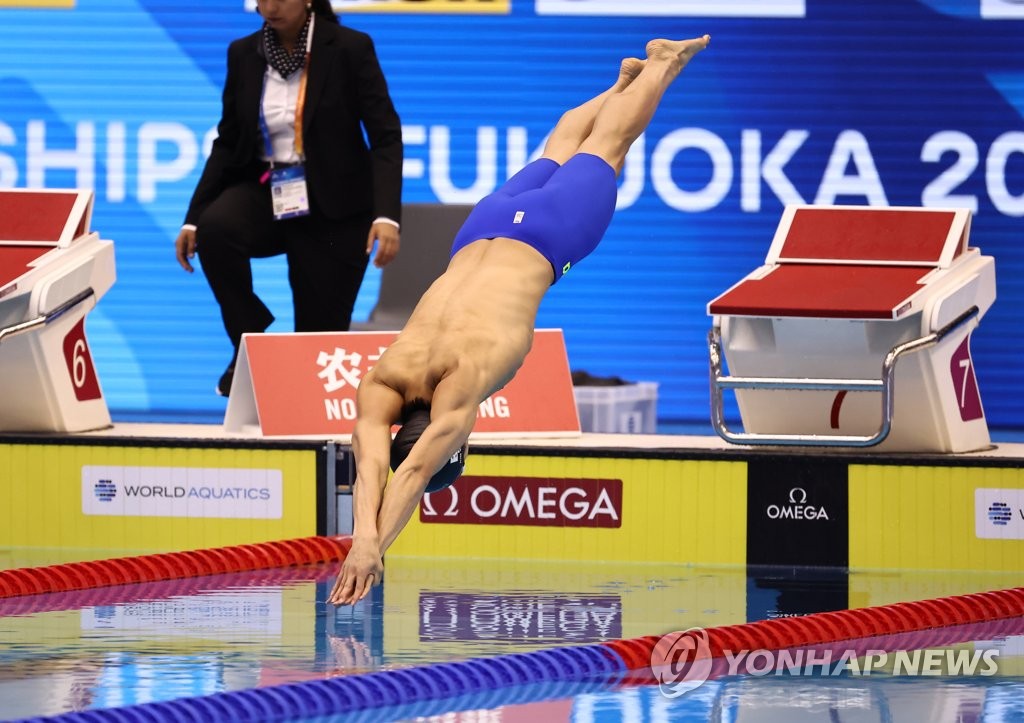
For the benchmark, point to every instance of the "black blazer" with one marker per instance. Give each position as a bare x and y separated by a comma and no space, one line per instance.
345,92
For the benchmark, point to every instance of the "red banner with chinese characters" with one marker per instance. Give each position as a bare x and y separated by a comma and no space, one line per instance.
305,384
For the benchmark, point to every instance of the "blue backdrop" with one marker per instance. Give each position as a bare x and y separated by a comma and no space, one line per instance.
898,102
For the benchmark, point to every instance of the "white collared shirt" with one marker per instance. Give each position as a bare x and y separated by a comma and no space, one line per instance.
280,96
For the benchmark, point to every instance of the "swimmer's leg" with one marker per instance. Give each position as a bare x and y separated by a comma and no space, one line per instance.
576,124
625,115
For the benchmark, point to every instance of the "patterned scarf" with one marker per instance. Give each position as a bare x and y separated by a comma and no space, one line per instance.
278,57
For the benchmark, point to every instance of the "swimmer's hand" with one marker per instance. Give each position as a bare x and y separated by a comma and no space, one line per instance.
363,568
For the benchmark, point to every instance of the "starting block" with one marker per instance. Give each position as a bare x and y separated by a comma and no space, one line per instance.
812,338
53,270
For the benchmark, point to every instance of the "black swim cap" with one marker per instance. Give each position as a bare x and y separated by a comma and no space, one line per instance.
415,422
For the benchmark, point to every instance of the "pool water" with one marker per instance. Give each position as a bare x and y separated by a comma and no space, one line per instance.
137,644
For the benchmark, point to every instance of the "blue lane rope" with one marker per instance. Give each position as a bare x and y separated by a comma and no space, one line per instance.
475,683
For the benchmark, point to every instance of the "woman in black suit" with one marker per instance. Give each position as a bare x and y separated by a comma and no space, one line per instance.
291,172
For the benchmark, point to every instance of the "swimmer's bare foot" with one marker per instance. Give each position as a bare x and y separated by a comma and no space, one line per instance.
681,50
630,68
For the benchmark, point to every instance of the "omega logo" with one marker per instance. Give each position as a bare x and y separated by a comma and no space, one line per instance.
797,508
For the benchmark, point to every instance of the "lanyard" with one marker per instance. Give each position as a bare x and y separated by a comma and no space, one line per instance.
300,101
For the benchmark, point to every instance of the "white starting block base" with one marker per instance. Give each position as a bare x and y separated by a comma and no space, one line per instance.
52,273
926,415
806,337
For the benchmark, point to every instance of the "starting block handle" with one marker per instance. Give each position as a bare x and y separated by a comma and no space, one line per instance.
48,317
884,385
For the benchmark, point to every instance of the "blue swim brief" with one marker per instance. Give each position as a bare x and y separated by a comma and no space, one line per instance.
561,211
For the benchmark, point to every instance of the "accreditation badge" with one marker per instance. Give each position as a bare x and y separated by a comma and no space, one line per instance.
288,192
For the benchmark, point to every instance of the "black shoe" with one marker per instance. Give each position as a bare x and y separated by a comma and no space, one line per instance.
224,385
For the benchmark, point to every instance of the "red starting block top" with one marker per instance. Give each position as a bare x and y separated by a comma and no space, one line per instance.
839,292
44,216
15,261
848,262
871,236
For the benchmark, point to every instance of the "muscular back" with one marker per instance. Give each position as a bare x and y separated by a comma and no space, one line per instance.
472,327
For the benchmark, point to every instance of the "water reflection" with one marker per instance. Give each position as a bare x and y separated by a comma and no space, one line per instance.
141,643
732,700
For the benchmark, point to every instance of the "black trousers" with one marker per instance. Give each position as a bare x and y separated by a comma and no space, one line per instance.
326,261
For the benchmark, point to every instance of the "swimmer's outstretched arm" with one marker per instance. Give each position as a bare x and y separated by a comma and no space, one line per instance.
379,406
363,566
444,436
453,409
